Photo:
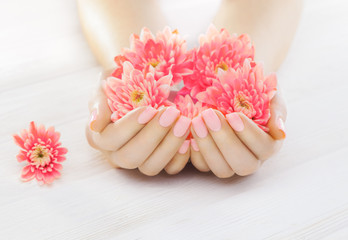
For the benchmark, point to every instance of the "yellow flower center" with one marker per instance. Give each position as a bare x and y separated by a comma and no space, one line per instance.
175,31
40,156
137,96
221,65
241,104
154,63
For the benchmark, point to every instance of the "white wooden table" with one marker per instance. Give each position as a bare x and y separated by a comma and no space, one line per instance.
47,73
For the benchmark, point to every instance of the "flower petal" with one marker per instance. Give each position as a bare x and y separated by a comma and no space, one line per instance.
27,174
18,140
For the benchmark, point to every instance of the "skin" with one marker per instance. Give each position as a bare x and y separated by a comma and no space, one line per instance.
225,152
107,24
271,24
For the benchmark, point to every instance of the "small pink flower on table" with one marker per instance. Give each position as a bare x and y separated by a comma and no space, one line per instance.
42,151
135,89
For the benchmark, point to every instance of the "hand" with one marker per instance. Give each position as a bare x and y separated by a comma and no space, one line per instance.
145,138
235,144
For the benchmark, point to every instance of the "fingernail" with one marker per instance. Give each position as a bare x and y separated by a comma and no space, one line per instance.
161,107
235,121
194,145
281,126
93,119
199,127
168,116
181,126
184,147
211,119
147,115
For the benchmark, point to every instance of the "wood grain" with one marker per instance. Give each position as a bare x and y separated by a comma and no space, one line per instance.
47,75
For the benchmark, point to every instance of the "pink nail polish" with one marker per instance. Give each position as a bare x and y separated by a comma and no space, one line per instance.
194,145
93,119
147,115
199,127
235,121
184,147
281,126
211,119
169,116
181,126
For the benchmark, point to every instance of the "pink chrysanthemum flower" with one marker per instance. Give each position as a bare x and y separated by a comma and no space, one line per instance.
243,90
42,151
135,90
161,54
218,50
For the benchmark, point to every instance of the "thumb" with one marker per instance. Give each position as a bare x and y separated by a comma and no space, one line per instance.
100,113
276,123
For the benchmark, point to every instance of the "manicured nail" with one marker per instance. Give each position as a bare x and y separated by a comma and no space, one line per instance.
161,107
199,127
235,121
194,145
211,119
168,116
281,126
93,119
147,115
184,147
181,126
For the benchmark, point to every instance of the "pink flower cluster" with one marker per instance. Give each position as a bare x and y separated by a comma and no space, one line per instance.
220,74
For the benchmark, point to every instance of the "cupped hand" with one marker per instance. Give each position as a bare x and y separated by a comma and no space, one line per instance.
146,138
235,144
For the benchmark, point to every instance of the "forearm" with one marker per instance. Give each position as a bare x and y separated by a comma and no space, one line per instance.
107,24
270,23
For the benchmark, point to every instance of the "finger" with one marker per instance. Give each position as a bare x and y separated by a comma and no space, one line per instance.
139,148
278,118
100,113
89,137
209,150
197,159
238,156
117,134
258,141
108,156
180,159
167,148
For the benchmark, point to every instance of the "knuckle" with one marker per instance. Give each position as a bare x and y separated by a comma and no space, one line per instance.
119,158
199,164
201,167
111,161
172,170
248,170
90,139
267,154
224,174
263,157
148,171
